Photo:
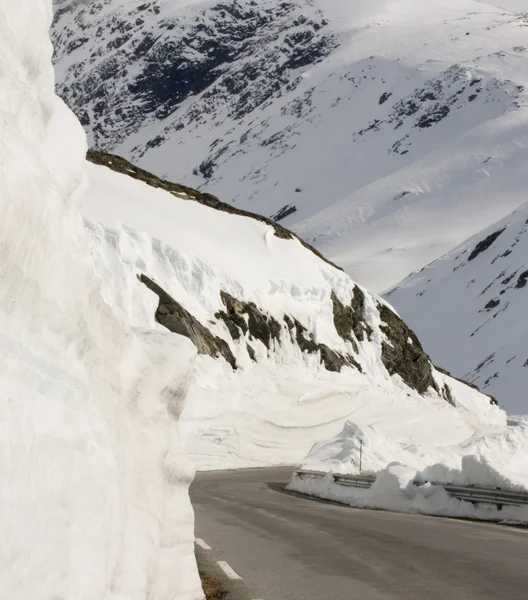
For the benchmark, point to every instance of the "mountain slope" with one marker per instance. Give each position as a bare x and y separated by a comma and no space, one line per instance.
289,347
469,308
382,133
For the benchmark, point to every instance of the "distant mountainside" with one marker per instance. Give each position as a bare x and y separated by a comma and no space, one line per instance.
469,309
384,133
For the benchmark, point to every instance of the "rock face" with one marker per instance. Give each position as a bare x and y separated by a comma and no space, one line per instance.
217,51
402,353
350,320
175,318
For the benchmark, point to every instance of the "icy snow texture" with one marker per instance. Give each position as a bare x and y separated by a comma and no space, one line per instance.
93,486
469,310
273,411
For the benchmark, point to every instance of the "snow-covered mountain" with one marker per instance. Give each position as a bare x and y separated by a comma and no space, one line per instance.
469,306
383,132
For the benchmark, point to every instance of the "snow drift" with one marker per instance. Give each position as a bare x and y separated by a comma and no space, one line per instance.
93,486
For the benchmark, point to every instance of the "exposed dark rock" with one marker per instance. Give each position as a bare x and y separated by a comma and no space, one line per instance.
384,97
403,355
401,195
349,321
284,212
492,304
507,280
332,360
247,317
433,115
251,353
483,245
446,393
175,318
239,53
487,361
523,279
120,165
243,318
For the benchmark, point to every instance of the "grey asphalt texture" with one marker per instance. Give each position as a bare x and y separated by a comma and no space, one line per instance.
287,546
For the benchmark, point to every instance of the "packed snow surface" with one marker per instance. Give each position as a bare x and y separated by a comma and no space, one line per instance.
469,310
94,486
384,132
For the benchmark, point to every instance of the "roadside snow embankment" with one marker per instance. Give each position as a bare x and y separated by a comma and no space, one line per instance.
409,477
298,318
93,485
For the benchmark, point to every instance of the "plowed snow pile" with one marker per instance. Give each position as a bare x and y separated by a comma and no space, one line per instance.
93,486
409,476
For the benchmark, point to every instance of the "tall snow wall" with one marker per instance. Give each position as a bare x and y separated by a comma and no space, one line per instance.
93,486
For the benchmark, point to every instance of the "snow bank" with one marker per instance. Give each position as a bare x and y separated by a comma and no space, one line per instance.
93,484
407,475
273,410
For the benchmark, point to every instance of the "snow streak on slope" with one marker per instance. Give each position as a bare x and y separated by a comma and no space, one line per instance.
366,127
307,348
84,515
469,308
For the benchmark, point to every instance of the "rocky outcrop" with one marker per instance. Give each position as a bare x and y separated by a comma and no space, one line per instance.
243,318
403,355
349,321
332,360
246,319
247,323
141,63
175,318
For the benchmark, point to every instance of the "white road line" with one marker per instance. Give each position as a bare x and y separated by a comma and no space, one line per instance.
202,544
228,570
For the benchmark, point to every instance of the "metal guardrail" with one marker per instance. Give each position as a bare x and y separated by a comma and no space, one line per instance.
473,494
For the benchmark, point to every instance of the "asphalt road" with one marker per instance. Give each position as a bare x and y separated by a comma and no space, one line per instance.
289,547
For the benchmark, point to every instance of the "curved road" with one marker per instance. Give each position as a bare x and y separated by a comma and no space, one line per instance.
289,547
